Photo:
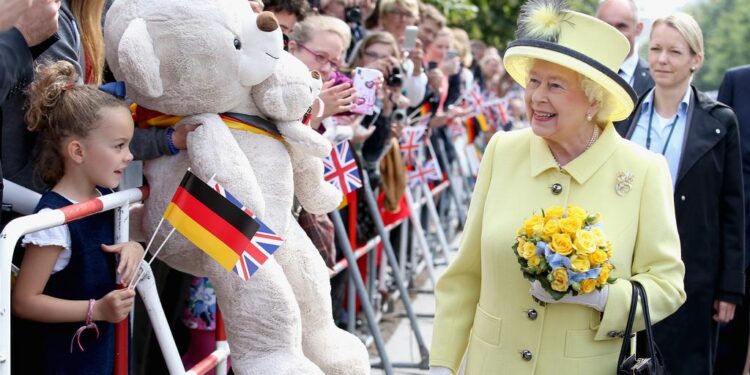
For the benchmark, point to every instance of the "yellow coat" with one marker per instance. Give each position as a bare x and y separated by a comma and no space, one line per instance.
483,301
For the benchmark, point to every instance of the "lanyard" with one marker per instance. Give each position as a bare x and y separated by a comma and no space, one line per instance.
669,137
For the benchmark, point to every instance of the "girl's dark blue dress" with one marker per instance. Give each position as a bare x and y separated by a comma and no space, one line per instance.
89,274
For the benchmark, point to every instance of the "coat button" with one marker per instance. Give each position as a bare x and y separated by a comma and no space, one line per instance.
532,314
526,355
682,198
556,189
718,131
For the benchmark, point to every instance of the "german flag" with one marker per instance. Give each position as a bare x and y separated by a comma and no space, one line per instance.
211,222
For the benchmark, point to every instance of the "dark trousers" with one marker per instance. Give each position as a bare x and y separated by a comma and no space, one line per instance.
733,338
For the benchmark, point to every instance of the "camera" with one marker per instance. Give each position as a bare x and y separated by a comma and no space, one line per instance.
395,79
352,15
398,115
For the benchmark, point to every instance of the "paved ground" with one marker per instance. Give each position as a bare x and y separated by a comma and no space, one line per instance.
401,344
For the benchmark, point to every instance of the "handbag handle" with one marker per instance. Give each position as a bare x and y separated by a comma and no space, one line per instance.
625,349
638,291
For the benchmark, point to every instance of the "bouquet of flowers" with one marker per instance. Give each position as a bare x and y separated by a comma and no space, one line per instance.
565,250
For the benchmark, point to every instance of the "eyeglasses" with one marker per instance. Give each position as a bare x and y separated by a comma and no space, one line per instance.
401,14
319,58
374,56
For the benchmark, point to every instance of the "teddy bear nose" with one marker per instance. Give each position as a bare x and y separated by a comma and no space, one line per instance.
267,22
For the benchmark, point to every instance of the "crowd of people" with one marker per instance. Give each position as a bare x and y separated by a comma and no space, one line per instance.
590,107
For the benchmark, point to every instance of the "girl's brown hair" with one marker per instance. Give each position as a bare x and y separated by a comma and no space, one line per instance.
58,109
88,13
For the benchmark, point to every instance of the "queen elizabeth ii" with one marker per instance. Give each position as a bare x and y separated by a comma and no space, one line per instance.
570,156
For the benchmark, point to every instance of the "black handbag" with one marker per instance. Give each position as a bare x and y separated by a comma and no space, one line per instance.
652,363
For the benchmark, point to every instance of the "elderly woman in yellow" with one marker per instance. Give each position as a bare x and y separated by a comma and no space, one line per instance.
570,156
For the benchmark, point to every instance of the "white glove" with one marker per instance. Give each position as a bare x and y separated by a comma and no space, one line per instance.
437,370
595,300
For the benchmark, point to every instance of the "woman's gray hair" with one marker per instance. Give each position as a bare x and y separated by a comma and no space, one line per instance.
594,92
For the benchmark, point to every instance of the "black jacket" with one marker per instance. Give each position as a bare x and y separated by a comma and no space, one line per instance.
642,80
709,206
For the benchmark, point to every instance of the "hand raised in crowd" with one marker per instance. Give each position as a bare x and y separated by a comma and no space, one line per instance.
416,55
434,79
336,99
257,5
397,128
10,11
724,311
114,306
39,22
131,254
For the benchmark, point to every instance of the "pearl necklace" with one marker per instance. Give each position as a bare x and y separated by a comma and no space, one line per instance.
594,137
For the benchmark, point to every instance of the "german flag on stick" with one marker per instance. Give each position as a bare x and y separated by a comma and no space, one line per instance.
211,222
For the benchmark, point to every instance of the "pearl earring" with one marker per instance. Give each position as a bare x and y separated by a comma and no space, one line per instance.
692,69
589,117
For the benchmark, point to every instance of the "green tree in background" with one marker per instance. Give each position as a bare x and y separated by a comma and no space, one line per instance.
494,20
726,31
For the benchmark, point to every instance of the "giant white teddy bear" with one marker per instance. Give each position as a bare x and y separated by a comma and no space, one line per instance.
198,59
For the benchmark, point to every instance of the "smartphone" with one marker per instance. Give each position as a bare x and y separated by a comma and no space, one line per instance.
410,38
432,65
366,84
451,54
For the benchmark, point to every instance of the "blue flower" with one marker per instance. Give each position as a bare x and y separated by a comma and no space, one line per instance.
542,248
557,260
580,276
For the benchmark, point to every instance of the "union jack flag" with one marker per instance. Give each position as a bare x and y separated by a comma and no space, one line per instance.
264,243
340,168
429,171
410,143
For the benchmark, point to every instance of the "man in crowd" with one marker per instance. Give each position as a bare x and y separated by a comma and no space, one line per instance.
733,337
287,12
623,15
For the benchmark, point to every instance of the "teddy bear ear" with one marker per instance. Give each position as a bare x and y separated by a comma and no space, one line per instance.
138,60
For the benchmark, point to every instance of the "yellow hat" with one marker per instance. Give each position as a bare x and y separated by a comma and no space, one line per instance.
582,43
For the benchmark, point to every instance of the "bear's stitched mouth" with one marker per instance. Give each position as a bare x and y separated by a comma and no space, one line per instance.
272,56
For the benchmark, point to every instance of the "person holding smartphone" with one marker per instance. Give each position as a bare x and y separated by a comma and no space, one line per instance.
320,42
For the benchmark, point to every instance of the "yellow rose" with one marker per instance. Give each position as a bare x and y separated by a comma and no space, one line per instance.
603,275
570,225
587,286
580,263
550,228
597,257
528,250
577,212
585,242
599,236
534,260
554,212
562,244
534,225
559,280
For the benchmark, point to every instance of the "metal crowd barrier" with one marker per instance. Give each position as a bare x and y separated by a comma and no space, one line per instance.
120,202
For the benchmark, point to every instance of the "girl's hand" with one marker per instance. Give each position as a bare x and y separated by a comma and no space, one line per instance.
179,136
115,306
131,254
337,99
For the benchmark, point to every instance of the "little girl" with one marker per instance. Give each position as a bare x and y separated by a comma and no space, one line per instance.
67,283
